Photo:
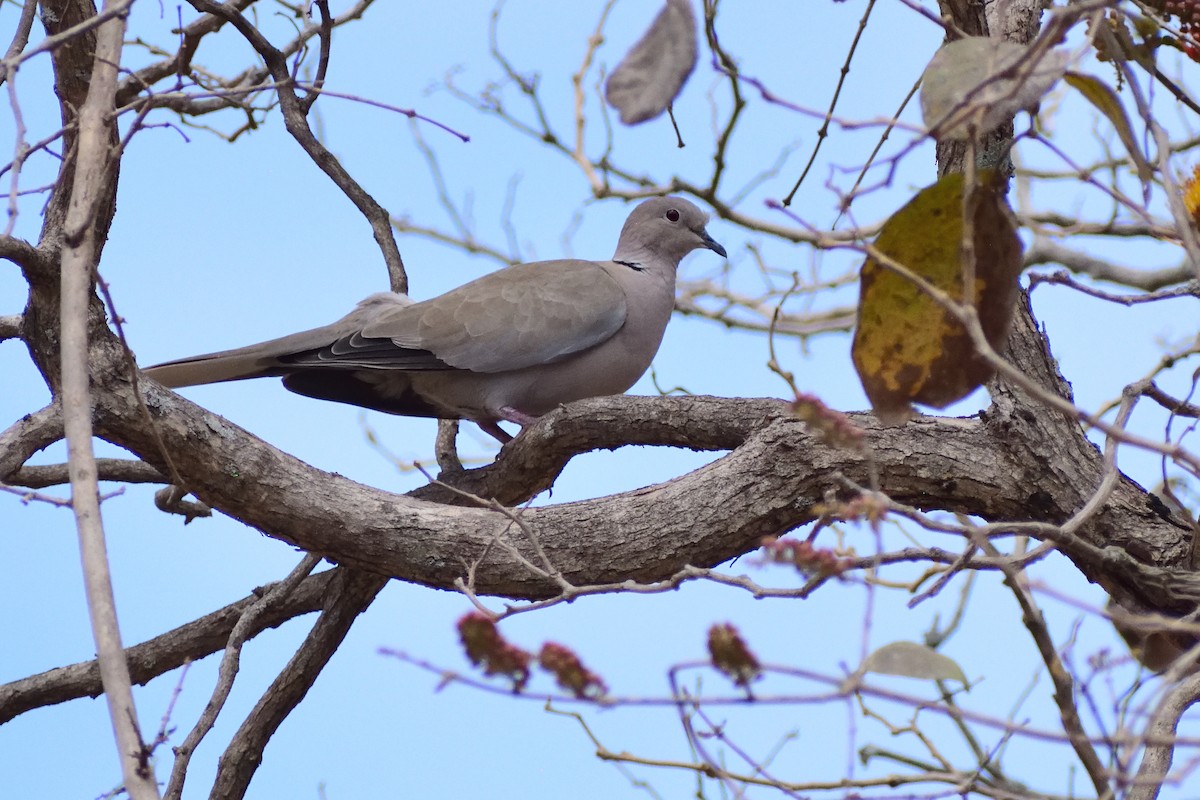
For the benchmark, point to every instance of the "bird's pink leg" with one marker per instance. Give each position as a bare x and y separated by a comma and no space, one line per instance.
510,414
495,431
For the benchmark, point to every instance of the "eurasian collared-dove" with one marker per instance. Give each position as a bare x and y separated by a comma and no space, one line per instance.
510,346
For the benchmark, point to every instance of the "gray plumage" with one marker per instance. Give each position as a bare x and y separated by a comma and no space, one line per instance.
511,345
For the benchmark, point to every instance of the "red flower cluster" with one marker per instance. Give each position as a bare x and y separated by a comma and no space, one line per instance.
833,425
806,558
570,672
731,655
488,649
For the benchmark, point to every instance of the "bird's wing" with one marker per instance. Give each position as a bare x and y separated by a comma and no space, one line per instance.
519,317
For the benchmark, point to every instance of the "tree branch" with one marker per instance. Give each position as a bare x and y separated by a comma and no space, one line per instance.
350,594
297,125
230,663
160,655
778,473
25,256
122,470
1160,737
93,181
1045,251
28,435
10,327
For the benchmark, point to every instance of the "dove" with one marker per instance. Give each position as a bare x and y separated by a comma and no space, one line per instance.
509,346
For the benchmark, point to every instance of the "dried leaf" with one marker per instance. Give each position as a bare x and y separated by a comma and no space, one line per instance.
1107,103
977,83
908,348
1155,641
653,72
912,660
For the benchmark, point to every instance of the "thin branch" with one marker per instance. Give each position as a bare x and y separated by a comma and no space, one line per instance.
1064,686
93,182
20,37
297,125
580,151
246,627
350,594
1177,407
1162,731
1060,278
160,655
315,90
323,57
1046,251
823,131
122,470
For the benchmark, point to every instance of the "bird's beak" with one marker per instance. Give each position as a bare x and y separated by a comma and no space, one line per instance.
711,243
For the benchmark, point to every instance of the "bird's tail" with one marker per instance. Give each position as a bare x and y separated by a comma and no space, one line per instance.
230,365
263,360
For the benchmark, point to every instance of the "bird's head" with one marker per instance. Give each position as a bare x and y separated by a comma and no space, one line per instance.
666,228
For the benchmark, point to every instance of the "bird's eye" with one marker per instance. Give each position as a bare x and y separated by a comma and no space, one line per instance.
672,215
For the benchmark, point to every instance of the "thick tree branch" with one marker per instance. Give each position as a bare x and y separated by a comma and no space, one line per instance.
25,256
28,435
771,482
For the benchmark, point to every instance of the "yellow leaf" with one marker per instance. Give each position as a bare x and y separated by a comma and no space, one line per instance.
1191,196
909,348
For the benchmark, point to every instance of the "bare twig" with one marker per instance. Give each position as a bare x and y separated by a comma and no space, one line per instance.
297,125
1064,686
163,653
20,37
1047,251
242,631
352,591
1164,722
823,131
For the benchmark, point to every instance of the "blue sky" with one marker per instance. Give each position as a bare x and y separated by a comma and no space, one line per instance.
218,245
